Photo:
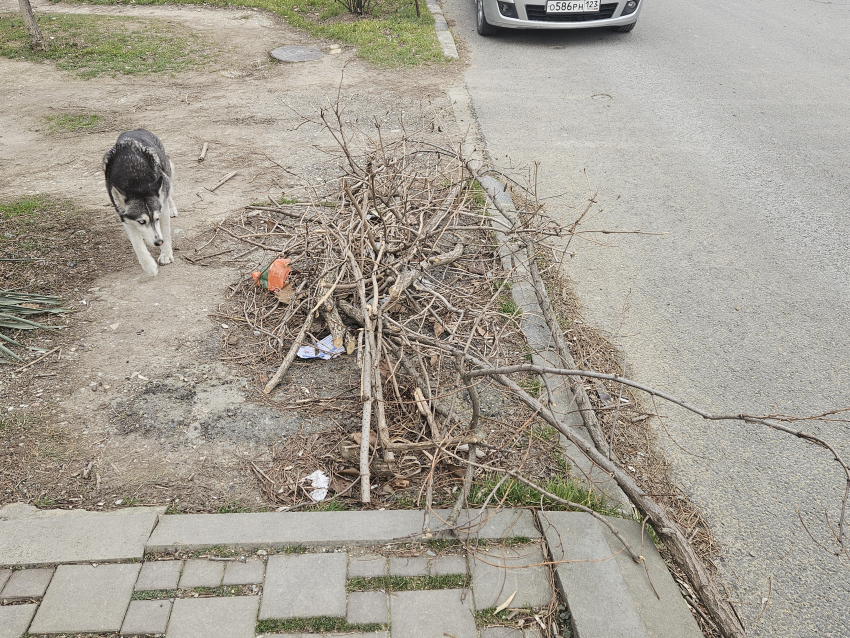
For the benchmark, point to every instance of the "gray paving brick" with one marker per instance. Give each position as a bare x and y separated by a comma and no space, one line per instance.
246,531
159,574
509,632
409,566
366,607
304,585
146,617
367,566
198,572
88,537
371,634
607,592
248,573
432,613
498,572
232,617
14,620
28,583
445,565
82,598
4,576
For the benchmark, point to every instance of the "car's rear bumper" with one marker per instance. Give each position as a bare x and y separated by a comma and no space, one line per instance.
531,14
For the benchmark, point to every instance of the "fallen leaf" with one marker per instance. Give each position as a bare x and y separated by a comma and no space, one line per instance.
481,330
438,329
357,437
505,604
434,360
350,344
285,294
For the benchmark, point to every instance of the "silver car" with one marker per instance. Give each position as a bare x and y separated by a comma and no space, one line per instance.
618,15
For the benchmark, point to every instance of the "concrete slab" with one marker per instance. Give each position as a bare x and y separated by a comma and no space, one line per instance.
248,573
85,537
233,617
496,526
159,574
613,597
446,565
367,566
14,620
146,617
366,607
4,576
321,529
82,598
27,583
409,566
198,572
432,614
304,586
498,572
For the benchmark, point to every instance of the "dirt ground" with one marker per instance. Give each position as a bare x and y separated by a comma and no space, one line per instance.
138,391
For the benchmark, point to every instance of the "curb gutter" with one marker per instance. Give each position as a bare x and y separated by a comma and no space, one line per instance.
444,34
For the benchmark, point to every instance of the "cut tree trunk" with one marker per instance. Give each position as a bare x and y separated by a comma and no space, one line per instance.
36,39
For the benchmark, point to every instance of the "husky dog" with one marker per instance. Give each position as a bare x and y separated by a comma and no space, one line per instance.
138,180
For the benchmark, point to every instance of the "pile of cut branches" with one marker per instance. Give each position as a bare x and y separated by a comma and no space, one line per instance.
392,260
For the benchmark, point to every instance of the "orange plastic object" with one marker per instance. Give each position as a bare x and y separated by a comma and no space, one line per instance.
274,276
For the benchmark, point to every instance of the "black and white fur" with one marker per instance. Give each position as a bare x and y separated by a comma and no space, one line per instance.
138,180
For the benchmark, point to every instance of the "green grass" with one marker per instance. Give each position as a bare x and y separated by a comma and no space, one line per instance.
45,501
294,549
391,37
92,46
318,625
27,208
439,544
532,385
154,594
332,505
233,506
476,192
406,583
72,123
516,494
219,551
507,306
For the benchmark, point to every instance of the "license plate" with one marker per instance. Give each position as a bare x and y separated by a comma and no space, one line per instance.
572,6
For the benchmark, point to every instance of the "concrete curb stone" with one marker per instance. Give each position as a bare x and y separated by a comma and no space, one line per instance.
322,529
232,617
27,583
83,598
607,592
4,576
409,566
198,572
49,540
432,613
448,565
251,572
304,586
146,617
499,572
159,574
14,620
366,607
367,566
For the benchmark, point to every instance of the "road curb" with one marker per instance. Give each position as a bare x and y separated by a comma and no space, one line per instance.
444,34
534,327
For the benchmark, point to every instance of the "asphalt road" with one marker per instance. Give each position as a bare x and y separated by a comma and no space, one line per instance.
725,125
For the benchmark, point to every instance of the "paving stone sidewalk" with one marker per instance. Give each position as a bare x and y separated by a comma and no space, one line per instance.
296,575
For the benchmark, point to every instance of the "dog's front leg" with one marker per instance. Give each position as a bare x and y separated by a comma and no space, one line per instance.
166,254
147,262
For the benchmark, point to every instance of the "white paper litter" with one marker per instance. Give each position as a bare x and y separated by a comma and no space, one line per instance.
322,350
321,481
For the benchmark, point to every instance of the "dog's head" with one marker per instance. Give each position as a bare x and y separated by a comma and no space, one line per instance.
141,213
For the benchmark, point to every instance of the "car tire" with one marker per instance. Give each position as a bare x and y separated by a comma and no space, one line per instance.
481,25
624,28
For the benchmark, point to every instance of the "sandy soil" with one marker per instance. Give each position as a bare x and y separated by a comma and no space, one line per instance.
140,389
